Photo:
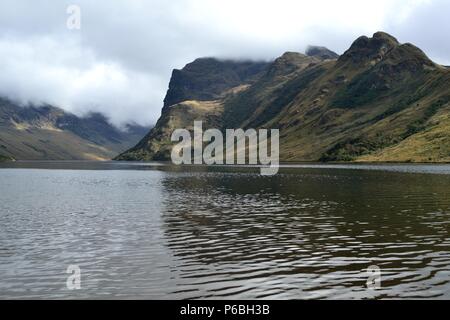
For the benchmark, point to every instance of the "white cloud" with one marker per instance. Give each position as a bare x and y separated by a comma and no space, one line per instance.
67,75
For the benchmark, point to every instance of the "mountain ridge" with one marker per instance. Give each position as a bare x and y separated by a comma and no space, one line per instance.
378,101
46,132
190,83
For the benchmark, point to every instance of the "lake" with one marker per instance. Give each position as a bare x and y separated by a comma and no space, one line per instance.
155,231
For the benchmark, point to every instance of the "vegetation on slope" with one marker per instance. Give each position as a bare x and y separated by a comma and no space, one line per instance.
4,158
157,144
379,101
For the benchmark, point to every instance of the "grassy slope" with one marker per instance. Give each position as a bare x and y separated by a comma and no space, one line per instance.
262,100
430,145
42,144
157,145
4,158
369,118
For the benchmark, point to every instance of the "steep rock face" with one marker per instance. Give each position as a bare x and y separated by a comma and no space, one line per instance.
196,92
208,78
50,133
380,101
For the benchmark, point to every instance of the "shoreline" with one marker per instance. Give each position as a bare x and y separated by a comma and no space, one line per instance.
249,165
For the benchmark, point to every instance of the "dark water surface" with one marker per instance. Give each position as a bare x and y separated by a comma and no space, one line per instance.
154,231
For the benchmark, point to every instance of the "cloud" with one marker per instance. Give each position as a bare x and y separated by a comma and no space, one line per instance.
121,59
428,27
64,74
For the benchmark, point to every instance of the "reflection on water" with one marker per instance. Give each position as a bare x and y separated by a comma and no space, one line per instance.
140,231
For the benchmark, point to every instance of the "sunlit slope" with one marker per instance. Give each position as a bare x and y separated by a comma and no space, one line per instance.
157,144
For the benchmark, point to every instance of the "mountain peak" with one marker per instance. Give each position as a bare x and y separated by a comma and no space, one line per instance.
208,78
321,52
383,36
366,49
290,62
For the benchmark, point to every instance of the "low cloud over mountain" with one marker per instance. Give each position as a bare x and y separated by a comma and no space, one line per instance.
120,61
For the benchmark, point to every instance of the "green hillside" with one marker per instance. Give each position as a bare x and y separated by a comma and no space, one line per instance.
379,101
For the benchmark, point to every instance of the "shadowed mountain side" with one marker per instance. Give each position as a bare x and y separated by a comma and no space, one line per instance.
209,78
156,145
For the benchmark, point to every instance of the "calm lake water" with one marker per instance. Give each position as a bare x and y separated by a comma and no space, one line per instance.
151,231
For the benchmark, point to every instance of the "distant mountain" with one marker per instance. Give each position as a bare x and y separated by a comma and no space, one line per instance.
380,101
321,52
50,133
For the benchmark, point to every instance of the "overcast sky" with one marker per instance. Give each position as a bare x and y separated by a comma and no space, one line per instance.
120,61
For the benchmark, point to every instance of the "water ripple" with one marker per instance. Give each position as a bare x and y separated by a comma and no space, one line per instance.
307,233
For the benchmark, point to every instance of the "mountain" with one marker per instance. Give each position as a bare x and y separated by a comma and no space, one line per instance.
321,52
379,101
209,79
50,133
195,92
